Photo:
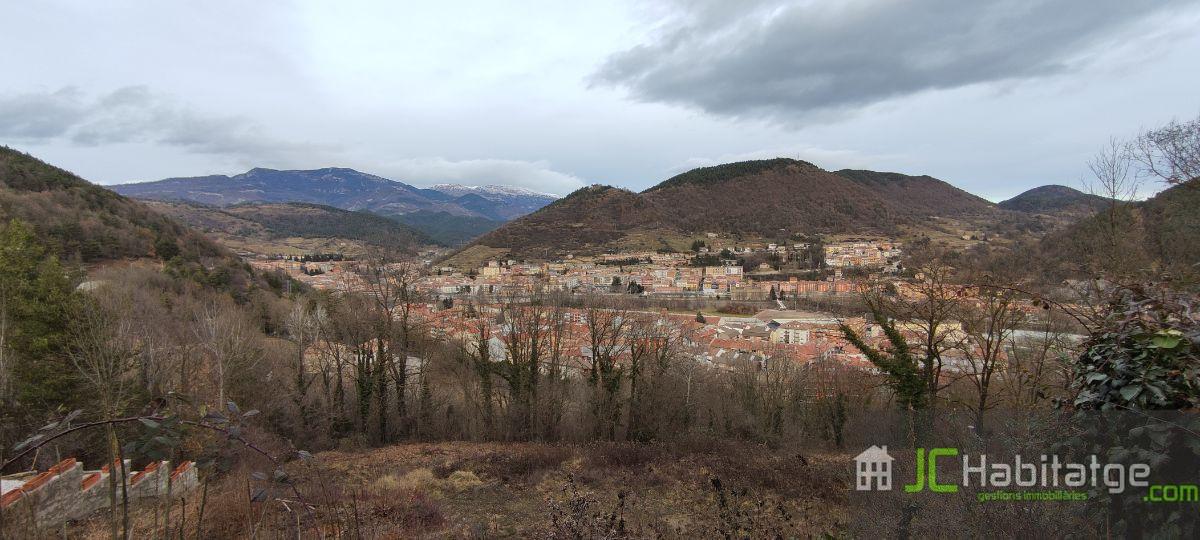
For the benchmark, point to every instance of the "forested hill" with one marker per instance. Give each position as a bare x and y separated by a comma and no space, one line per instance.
1162,233
265,224
1055,200
772,198
923,194
448,229
80,220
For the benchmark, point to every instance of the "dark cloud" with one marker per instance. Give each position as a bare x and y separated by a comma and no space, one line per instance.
133,114
787,61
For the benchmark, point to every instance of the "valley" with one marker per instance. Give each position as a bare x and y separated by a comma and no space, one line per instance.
621,270
612,363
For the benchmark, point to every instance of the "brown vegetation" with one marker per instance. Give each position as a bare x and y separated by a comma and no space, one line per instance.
758,199
274,228
696,488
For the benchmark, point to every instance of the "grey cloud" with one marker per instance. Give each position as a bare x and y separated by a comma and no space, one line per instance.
135,114
40,116
535,175
789,61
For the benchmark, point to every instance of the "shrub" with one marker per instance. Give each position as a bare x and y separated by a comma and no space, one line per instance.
524,461
624,454
463,480
1146,355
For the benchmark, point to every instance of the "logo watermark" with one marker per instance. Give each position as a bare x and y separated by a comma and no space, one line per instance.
1045,478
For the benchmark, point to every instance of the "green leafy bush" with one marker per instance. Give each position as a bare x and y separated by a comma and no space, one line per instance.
1147,354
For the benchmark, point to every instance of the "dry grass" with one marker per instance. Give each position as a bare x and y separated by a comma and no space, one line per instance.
473,257
695,488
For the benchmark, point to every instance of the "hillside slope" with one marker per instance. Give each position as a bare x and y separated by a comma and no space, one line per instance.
586,220
448,229
924,195
78,219
768,197
267,228
1055,200
1163,233
773,198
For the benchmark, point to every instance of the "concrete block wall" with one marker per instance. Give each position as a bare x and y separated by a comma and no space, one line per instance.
67,492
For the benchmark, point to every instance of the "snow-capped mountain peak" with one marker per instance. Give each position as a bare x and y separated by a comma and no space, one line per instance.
490,189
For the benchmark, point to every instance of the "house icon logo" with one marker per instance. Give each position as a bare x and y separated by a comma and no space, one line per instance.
874,465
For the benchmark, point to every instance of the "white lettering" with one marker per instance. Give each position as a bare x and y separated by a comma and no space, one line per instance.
968,470
1022,468
1076,475
1001,475
1139,473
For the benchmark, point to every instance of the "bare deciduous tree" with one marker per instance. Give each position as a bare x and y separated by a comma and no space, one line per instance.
1171,152
103,350
606,334
1113,179
229,341
989,317
1039,364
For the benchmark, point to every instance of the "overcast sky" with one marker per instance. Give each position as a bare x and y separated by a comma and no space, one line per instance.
994,97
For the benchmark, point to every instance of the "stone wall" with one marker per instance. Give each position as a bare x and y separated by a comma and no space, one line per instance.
67,492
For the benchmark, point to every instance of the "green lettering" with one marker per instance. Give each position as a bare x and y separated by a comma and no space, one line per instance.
933,483
920,483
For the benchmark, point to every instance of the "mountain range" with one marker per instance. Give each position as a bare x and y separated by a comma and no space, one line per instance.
774,198
482,207
750,201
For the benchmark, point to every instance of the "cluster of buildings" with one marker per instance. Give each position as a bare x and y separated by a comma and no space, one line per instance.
644,273
637,273
726,342
320,275
669,274
465,306
869,253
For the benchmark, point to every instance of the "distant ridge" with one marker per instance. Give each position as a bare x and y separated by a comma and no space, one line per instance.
480,207
1054,200
490,190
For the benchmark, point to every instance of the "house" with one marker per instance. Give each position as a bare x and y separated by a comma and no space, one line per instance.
790,332
493,269
873,465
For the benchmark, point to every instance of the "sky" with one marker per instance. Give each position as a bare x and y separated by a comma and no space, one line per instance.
994,97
